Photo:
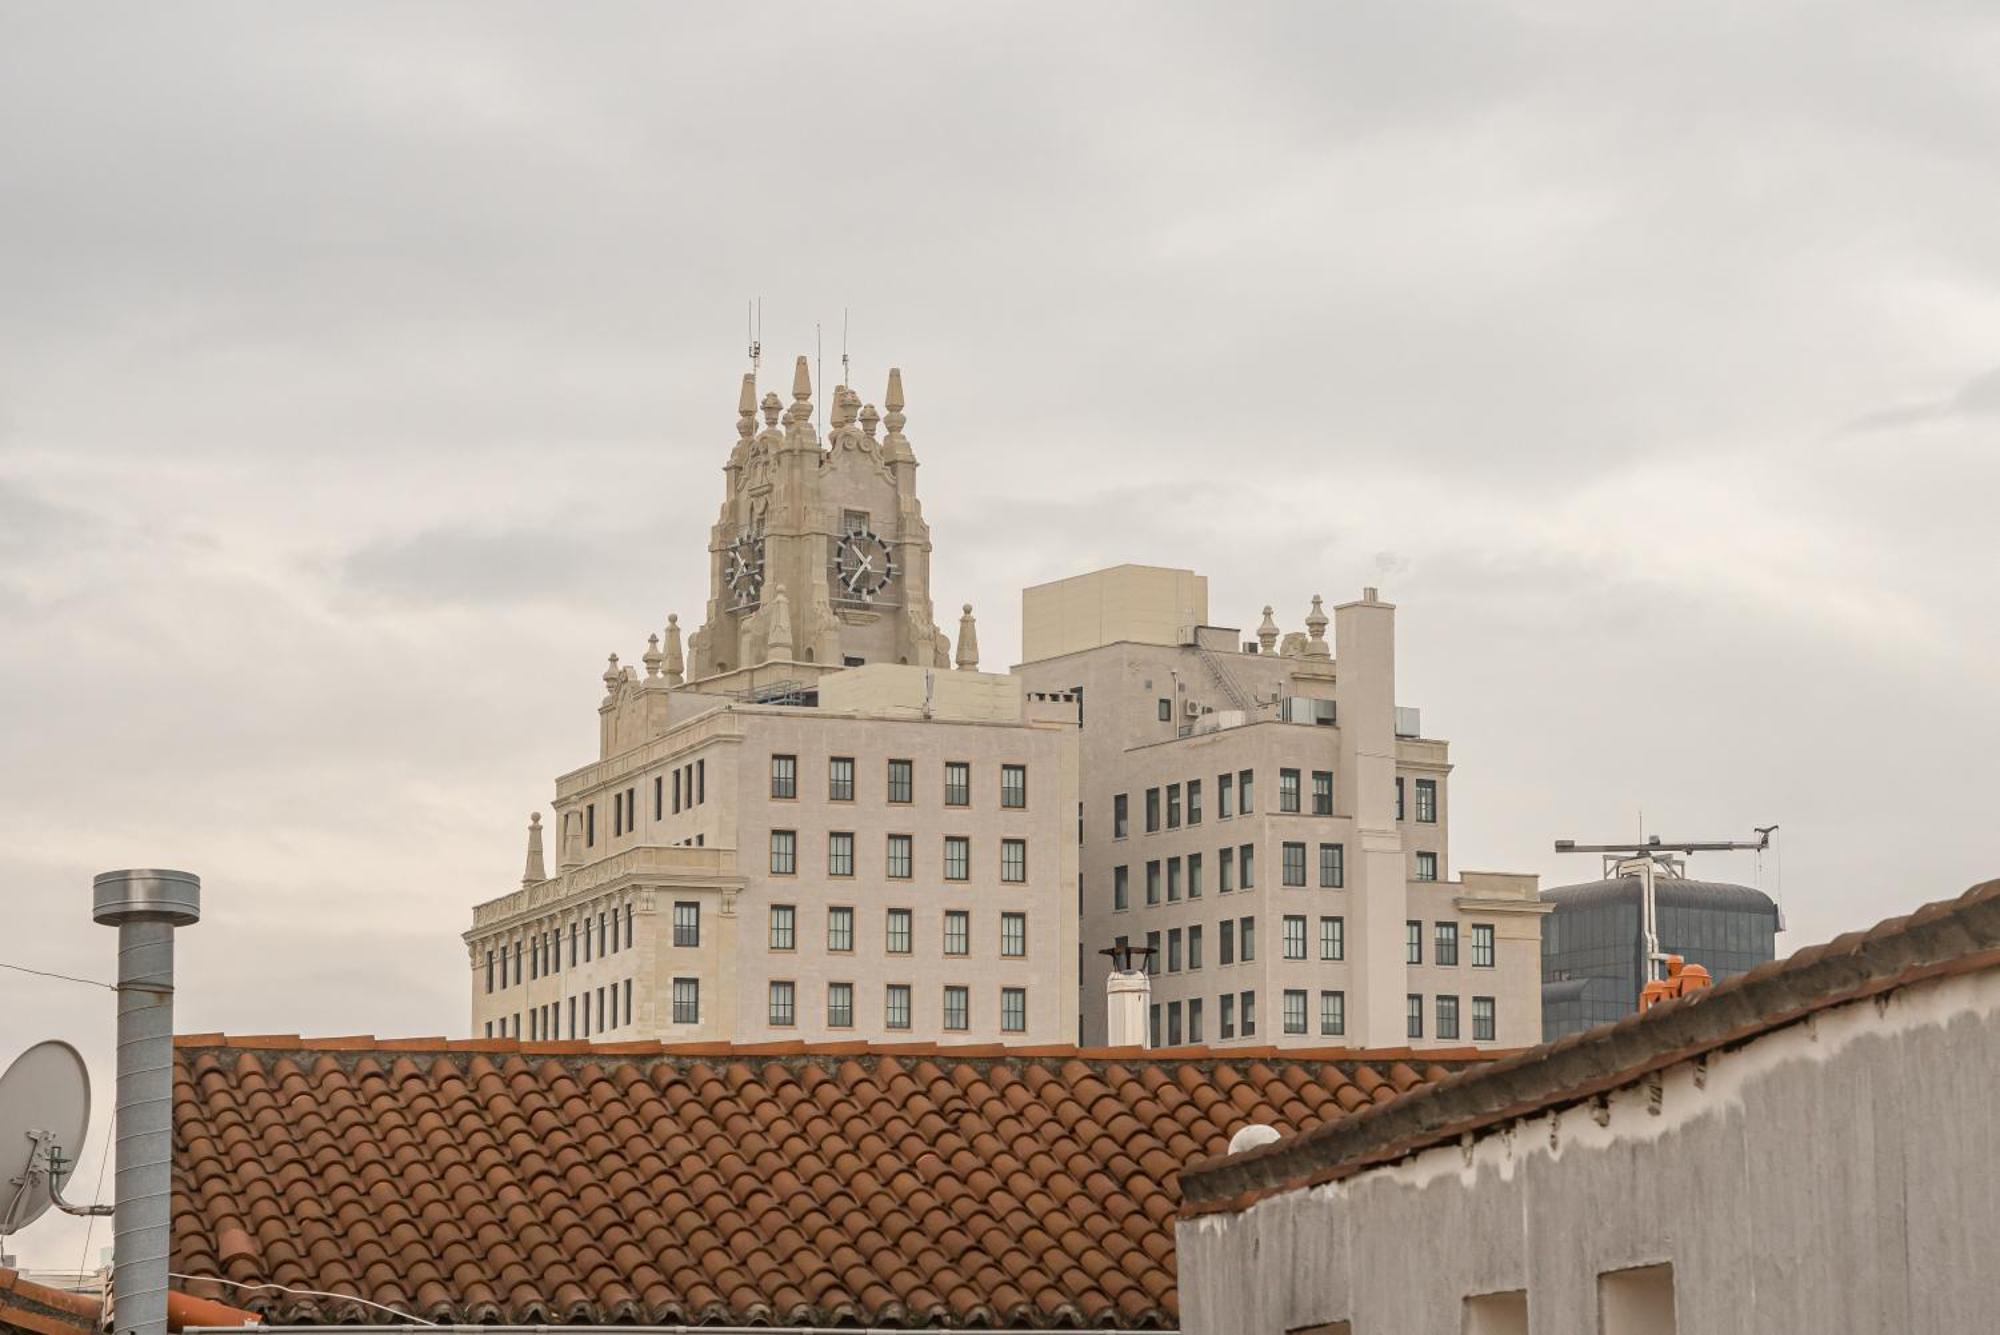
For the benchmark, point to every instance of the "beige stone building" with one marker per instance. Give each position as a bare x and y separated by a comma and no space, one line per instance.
1262,815
824,829
822,822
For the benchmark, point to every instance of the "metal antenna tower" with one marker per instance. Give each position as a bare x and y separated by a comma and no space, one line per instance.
1648,860
753,327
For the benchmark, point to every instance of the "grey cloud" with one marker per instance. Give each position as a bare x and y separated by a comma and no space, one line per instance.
1978,397
454,565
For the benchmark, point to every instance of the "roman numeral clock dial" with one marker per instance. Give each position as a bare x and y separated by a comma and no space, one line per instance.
863,565
744,567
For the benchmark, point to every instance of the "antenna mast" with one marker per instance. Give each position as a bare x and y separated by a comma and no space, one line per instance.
846,372
1646,860
753,327
819,378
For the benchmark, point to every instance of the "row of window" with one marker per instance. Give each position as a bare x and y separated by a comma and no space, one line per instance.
689,789
900,788
1483,1021
1176,804
1444,943
897,930
899,857
956,1006
542,952
606,1008
1169,879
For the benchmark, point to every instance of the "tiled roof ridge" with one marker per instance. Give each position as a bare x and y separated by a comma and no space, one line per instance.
1941,939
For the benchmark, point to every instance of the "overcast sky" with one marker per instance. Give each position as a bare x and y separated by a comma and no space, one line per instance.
366,372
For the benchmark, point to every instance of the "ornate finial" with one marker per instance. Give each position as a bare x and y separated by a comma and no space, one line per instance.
1316,646
841,414
802,390
968,642
893,400
895,447
869,417
534,872
1267,633
612,676
772,406
746,407
652,657
676,665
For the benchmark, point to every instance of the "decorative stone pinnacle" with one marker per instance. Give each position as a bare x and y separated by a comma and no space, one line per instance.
802,384
612,675
772,405
869,418
675,664
968,642
746,407
534,871
893,400
1267,632
652,656
1316,646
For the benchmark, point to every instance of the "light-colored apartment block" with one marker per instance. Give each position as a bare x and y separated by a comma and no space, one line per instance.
1262,815
832,826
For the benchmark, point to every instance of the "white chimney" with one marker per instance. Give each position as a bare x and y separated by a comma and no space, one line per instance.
1128,995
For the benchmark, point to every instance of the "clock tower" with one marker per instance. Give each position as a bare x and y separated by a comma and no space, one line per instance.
820,557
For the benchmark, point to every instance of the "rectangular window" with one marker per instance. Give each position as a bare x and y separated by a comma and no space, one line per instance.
489,971
957,1008
1152,810
1248,1005
1194,876
784,926
1225,871
590,825
1332,866
677,791
784,852
572,1018
701,781
659,785
784,776
1121,888
687,923
1166,710
1173,880
1153,1025
840,779
1639,1301
784,1005
1244,805
1447,1022
1333,938
1225,1026
1174,950
1153,881
840,853
1427,801
1399,797
1427,866
1322,792
896,1006
1295,864
1013,1010
1288,801
687,1001
1225,787
1444,944
1194,1034
1415,1008
628,927
1333,1014
1225,941
1173,806
840,1005
840,929
1295,1010
957,932
902,781
957,857
1413,942
1153,953
572,946
1246,867
1482,945
1194,946
1173,1024
957,783
1014,934
1120,816
1194,802
1482,1019
1013,860
899,865
1295,936
1013,786
1246,939
896,939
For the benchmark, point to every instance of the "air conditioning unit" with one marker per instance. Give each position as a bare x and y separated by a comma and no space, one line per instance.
1192,708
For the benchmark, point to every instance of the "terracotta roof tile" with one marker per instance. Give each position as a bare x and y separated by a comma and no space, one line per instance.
565,1182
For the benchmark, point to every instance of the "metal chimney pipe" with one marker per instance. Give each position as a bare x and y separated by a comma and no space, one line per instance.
145,907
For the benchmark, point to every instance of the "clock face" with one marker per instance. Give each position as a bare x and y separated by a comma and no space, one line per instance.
863,565
744,566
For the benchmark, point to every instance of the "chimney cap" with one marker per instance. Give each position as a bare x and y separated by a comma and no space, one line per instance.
1121,956
150,894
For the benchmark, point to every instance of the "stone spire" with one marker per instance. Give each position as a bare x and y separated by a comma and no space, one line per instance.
1267,632
746,407
869,419
802,393
533,873
675,664
1316,645
612,676
652,657
896,446
968,642
778,644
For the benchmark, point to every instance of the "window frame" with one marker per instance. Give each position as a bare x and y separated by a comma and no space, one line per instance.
784,777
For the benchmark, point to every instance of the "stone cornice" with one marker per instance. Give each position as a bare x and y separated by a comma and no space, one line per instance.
719,723
646,865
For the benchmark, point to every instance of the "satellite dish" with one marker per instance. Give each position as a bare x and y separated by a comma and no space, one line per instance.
44,1100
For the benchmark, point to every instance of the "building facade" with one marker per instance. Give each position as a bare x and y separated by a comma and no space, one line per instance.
1263,817
825,829
1593,944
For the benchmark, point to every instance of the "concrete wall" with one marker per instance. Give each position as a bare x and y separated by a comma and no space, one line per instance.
1146,604
1835,1176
